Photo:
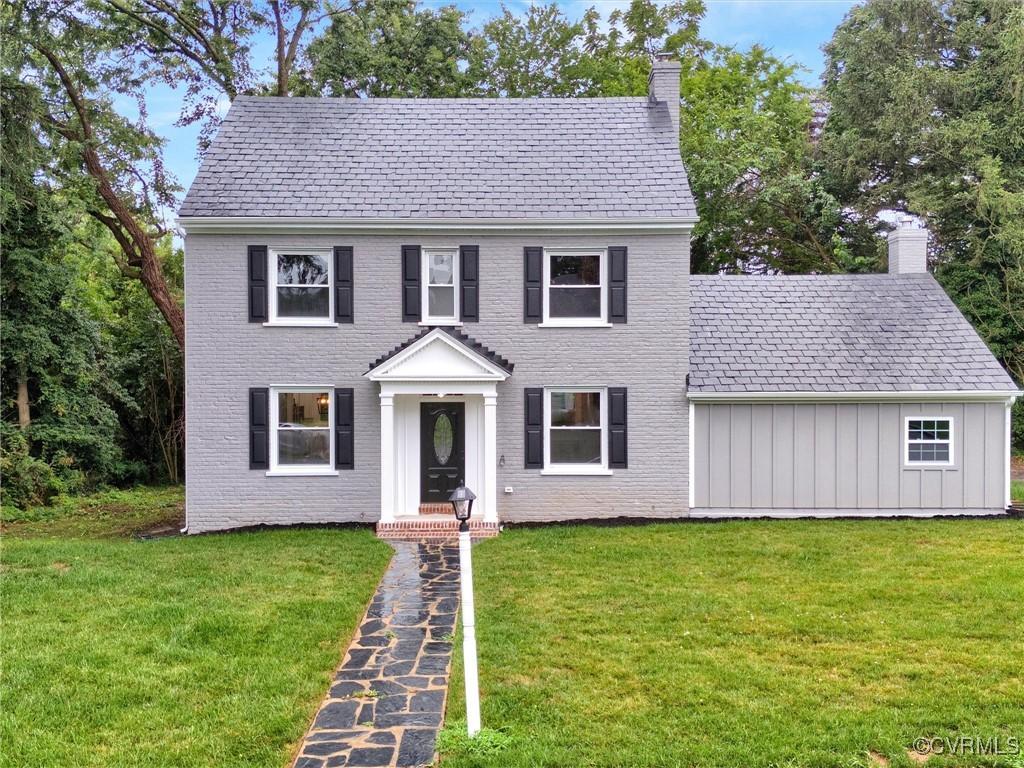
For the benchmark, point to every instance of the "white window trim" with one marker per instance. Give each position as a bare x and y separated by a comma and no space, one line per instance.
301,470
576,469
302,322
907,442
576,322
428,319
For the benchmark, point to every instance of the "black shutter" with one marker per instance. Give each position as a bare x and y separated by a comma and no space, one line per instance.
411,284
534,427
469,276
258,284
617,427
259,428
343,284
533,278
617,284
344,431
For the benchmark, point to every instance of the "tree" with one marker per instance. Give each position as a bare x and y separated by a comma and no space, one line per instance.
67,431
102,162
927,118
384,48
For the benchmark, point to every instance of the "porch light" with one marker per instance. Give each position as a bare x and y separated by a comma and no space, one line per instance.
462,503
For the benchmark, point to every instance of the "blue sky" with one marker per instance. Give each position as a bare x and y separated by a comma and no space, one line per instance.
794,30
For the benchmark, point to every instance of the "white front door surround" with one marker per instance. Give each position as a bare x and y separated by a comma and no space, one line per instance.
436,365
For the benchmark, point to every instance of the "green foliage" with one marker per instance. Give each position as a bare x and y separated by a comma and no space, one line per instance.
927,118
487,743
385,48
745,139
50,344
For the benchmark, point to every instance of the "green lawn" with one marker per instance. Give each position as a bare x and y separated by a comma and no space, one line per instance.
201,651
788,643
1017,490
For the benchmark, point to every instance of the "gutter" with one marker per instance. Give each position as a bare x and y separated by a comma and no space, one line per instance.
368,225
993,395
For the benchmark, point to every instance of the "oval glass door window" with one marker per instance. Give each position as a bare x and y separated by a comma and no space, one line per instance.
443,439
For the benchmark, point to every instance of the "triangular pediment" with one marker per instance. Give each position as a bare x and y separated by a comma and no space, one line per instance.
437,356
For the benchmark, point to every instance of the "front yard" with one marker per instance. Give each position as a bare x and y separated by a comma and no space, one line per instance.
785,643
788,643
202,651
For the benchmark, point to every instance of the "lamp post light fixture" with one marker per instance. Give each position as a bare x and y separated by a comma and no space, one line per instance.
462,503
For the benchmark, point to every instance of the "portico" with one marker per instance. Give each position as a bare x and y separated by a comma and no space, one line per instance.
438,423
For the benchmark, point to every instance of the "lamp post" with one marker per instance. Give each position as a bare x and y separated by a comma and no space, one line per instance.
462,502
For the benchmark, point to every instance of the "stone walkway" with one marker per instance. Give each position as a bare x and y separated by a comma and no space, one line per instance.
387,700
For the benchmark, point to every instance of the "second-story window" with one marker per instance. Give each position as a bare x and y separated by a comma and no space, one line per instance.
574,283
302,287
440,286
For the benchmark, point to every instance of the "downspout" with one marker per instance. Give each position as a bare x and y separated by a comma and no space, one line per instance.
1008,463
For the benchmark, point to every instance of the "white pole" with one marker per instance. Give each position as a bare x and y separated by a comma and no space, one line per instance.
469,633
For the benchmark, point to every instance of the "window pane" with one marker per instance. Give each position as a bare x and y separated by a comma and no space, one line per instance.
441,302
304,446
576,270
941,452
303,409
440,268
303,302
575,446
301,269
575,409
574,302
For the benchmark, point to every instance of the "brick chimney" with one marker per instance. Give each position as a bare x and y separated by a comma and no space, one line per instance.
663,84
908,249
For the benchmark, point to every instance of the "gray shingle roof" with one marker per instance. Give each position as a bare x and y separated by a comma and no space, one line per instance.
833,333
443,158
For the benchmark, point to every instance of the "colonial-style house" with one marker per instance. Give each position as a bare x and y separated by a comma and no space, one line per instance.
388,297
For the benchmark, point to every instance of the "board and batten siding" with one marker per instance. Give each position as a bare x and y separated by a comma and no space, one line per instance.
842,458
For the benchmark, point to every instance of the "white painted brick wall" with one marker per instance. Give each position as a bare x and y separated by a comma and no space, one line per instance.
225,355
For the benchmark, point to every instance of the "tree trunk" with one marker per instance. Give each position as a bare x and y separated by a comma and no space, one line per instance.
24,416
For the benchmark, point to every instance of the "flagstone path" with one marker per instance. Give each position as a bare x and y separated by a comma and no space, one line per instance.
387,701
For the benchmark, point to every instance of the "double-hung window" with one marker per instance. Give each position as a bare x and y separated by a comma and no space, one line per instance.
929,440
440,282
301,435
302,287
574,287
575,424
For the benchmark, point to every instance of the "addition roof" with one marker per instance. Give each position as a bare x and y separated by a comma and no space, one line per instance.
835,333
614,158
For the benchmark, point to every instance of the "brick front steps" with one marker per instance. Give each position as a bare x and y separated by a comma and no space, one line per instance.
434,528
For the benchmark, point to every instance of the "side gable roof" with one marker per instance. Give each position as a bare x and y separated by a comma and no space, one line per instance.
835,333
443,158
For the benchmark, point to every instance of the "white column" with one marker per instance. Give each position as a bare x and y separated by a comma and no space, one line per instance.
490,458
387,457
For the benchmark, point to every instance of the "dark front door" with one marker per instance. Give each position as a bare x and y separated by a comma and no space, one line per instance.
442,450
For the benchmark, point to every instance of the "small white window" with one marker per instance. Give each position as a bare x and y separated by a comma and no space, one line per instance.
575,440
574,287
301,437
302,282
929,440
440,287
